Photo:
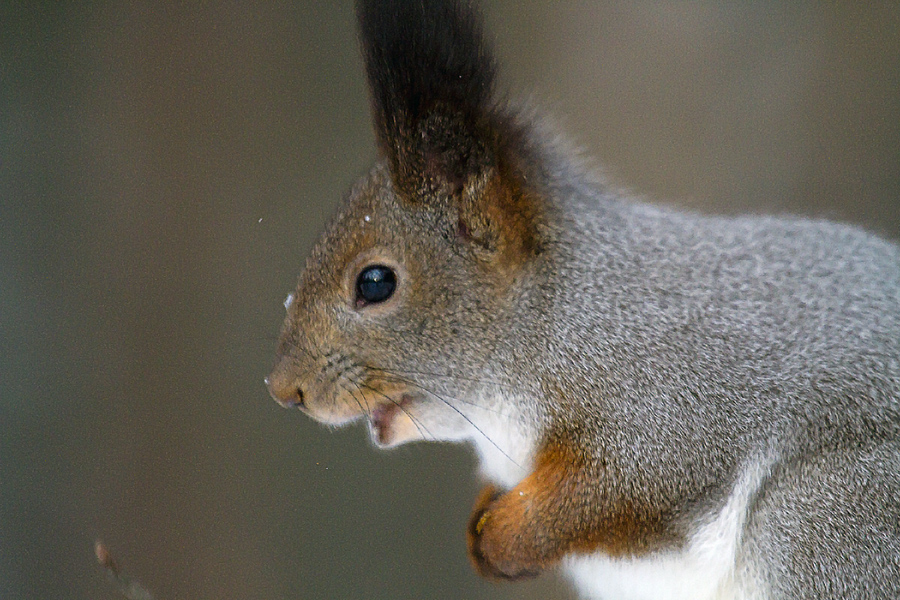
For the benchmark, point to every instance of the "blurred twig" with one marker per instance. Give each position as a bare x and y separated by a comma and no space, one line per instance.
130,589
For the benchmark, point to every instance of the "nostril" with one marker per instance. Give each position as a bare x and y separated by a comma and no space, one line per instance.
286,393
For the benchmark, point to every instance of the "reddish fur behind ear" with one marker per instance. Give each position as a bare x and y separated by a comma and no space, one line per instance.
502,218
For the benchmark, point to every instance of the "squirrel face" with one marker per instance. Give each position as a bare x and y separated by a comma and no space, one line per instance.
381,317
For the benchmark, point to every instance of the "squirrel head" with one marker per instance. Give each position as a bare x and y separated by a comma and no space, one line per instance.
403,297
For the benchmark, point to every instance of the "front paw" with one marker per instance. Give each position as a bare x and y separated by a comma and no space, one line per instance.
491,538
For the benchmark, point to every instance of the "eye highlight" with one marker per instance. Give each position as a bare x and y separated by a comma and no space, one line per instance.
375,284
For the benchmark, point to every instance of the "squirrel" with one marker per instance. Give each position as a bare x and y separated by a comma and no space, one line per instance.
666,404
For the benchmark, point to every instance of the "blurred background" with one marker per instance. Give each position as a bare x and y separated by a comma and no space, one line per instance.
164,169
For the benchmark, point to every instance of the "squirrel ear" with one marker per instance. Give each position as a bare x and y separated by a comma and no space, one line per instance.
431,78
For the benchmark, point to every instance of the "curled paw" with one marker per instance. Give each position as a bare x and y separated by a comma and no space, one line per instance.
492,540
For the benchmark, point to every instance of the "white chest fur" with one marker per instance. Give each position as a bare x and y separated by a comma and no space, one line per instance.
707,569
505,453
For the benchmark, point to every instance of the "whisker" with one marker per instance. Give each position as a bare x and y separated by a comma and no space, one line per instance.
358,403
466,418
356,385
478,429
445,376
420,427
423,431
398,379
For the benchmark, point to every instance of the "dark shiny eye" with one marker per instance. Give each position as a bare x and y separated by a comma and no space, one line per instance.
375,284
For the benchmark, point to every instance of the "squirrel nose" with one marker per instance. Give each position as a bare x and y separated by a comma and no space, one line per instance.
285,390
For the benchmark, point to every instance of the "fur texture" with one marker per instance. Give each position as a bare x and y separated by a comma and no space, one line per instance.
668,404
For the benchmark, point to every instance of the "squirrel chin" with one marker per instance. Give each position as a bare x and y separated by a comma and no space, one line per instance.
391,424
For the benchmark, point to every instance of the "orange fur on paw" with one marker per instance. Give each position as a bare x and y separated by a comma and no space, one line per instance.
508,535
481,515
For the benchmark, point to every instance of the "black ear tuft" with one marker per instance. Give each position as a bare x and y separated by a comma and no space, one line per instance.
431,78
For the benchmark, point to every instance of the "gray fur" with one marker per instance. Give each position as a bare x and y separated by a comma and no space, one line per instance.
676,350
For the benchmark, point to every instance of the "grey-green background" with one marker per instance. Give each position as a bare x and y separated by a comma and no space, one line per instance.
164,168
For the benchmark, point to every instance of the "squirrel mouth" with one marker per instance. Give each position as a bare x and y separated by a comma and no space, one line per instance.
382,418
